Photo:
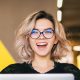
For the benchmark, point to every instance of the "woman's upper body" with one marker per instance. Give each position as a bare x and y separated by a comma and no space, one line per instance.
41,41
28,68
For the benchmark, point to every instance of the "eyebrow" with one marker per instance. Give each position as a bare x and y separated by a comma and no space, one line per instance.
44,29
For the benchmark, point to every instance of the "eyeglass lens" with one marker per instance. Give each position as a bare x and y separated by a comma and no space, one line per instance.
47,33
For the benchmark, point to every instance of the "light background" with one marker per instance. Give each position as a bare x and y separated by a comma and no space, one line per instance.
13,12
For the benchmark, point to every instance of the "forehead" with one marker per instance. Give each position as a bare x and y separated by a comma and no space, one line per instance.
42,24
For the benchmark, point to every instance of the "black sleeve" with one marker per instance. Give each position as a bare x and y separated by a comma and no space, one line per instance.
13,68
74,70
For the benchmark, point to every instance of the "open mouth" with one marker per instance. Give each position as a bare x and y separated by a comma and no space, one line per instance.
42,44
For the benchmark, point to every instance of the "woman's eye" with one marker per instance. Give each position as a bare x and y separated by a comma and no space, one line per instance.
34,32
48,31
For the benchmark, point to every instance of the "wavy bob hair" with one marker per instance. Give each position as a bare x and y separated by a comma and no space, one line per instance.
59,50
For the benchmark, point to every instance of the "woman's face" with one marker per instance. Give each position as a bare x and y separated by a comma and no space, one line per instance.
40,45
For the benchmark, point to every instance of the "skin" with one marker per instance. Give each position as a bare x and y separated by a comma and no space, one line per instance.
42,55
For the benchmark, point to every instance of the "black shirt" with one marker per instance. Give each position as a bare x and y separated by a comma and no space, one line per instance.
27,68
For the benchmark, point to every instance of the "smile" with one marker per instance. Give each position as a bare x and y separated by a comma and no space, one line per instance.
41,44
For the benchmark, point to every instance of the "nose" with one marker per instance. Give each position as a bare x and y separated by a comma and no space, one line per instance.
41,35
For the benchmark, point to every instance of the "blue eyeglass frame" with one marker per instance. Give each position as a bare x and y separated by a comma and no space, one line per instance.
43,32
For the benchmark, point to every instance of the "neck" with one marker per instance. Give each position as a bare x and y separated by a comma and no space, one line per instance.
41,61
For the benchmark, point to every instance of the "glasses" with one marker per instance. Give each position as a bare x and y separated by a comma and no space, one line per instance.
47,33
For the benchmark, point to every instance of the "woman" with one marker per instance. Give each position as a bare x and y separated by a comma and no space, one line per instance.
41,43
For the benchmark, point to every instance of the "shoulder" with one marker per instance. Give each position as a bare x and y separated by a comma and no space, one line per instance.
70,68
15,68
67,66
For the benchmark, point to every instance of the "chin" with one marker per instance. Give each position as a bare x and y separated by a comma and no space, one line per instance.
41,51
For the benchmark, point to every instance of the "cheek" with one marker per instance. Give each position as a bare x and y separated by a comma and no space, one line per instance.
32,42
51,42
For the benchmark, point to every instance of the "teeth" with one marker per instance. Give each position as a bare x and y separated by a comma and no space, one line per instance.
41,44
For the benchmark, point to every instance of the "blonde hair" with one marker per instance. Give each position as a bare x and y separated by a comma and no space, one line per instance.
59,50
